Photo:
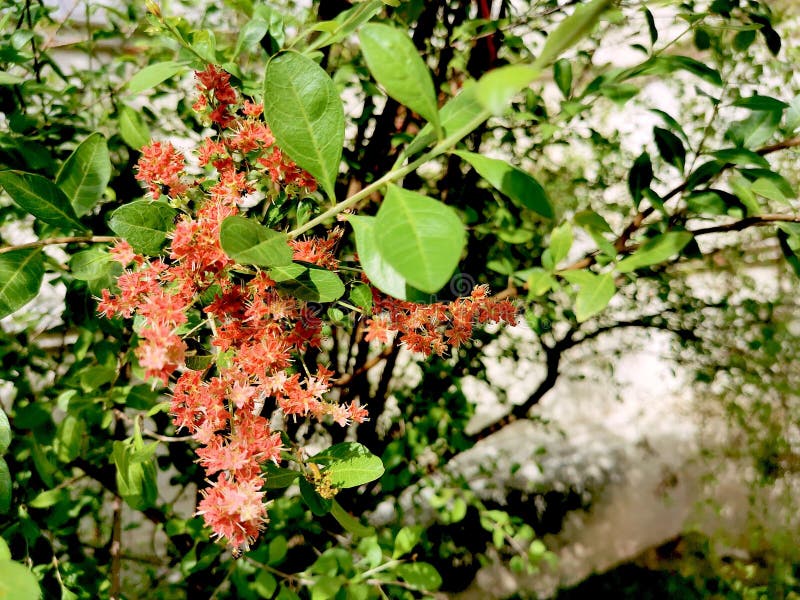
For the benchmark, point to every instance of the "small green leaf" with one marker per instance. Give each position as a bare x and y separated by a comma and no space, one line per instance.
5,432
651,25
42,198
670,147
349,464
420,237
319,506
21,274
560,242
379,272
251,35
84,175
305,113
571,30
47,498
496,89
349,522
308,282
5,489
132,128
758,102
405,540
396,65
594,296
640,177
420,575
741,157
91,264
144,224
511,181
361,296
17,582
152,75
277,550
277,478
655,251
562,73
265,584
69,438
249,243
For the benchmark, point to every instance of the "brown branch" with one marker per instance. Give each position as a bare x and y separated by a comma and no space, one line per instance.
74,239
116,545
348,377
754,221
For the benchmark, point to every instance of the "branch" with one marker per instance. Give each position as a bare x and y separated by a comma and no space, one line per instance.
74,239
348,377
754,221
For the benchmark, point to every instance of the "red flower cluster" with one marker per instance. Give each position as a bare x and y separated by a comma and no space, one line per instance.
430,328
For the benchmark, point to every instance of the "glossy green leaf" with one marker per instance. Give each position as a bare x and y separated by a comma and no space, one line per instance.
651,25
84,175
5,552
349,522
560,242
571,30
5,432
511,181
308,282
152,75
379,272
345,23
741,157
495,90
670,147
349,464
17,582
41,198
251,35
640,177
144,224
420,576
361,296
278,547
265,584
655,251
21,274
303,109
405,540
249,243
277,478
755,130
562,74
132,128
396,65
594,296
5,489
758,102
90,264
319,506
419,237
69,438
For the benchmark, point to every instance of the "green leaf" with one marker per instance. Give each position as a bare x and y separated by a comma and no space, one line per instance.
5,432
5,553
152,75
7,79
361,296
768,189
562,74
349,464
277,478
560,243
69,438
251,35
655,251
420,237
396,65
571,30
308,282
84,175
349,522
303,109
741,157
132,128
5,489
21,274
90,264
420,575
319,506
277,550
42,198
405,540
594,297
379,272
496,89
539,282
670,147
755,129
757,102
640,177
249,243
511,181
17,582
651,25
144,224
345,23
265,584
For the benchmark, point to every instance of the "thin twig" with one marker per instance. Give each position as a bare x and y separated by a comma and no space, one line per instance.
70,239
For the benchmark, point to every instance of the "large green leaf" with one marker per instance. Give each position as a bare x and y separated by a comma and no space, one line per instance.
304,111
152,75
595,294
379,272
84,176
5,490
395,63
17,582
571,30
144,224
496,89
349,464
319,506
277,478
21,273
248,242
655,251
420,237
308,282
511,181
42,198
